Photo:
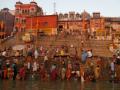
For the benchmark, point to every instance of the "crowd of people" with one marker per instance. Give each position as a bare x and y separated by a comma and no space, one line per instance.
41,63
52,63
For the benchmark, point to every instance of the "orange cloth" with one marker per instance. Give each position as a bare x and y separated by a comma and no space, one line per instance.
68,73
5,73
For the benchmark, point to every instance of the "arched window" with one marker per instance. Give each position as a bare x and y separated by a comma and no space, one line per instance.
22,29
26,11
66,15
23,21
17,11
61,16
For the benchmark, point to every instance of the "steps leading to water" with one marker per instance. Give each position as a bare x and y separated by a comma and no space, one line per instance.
99,47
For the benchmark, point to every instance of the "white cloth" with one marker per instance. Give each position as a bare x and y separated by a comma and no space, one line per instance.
112,66
4,53
82,79
28,65
36,54
45,58
35,66
89,54
118,57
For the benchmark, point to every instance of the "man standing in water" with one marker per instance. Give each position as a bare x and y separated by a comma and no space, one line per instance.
112,70
15,71
36,54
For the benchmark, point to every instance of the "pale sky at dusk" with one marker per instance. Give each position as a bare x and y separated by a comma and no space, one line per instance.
105,7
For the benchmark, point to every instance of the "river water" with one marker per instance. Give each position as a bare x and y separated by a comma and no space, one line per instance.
57,85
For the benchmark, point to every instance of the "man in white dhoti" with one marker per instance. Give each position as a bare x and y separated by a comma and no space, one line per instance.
35,66
36,54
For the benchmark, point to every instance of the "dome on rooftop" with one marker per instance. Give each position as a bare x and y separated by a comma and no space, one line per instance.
85,15
33,2
19,3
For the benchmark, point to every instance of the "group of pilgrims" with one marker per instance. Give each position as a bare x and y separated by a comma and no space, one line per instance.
36,64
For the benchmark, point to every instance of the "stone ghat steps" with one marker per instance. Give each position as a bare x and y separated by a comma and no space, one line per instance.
77,42
99,47
102,52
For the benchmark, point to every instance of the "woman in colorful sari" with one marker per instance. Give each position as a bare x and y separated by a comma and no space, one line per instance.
82,72
8,72
43,72
97,72
54,73
11,73
22,73
5,73
63,71
68,71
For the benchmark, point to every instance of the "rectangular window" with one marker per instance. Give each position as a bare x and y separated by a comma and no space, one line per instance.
23,21
17,11
23,11
16,20
45,23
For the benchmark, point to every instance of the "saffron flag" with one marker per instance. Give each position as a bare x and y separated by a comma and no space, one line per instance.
2,25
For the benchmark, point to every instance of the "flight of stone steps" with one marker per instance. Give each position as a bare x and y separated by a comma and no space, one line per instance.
99,47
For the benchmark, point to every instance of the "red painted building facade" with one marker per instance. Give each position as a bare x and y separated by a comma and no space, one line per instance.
46,24
30,17
22,11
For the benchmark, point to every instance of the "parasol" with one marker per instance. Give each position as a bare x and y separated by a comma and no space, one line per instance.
18,47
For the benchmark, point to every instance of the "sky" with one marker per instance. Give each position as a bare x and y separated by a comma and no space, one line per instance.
105,7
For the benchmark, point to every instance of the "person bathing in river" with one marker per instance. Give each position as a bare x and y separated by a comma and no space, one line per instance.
22,73
68,71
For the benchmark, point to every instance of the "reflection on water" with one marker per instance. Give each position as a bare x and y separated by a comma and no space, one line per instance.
56,85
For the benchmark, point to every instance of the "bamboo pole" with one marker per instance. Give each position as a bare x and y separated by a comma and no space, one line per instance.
37,32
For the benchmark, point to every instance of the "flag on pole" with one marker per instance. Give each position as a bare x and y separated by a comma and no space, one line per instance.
2,25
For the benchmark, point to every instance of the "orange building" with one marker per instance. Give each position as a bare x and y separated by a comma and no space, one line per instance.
81,22
30,17
97,24
46,24
22,11
74,21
